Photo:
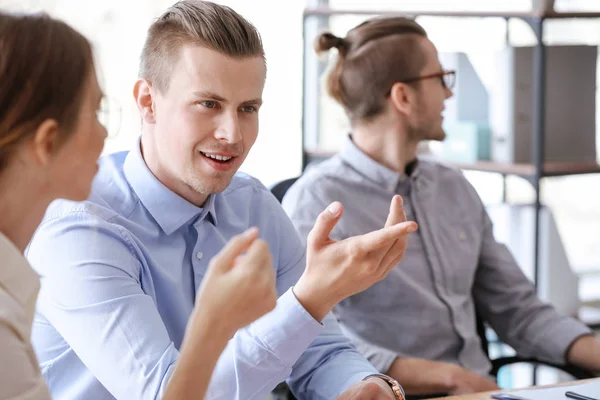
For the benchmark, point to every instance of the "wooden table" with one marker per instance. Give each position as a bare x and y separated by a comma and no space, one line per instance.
486,395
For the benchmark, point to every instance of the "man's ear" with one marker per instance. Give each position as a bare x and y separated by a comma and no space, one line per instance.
45,141
142,92
403,98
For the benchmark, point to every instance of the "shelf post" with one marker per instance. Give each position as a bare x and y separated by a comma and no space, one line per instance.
312,69
539,110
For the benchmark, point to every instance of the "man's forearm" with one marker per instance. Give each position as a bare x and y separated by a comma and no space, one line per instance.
199,355
317,304
420,376
329,366
585,353
274,343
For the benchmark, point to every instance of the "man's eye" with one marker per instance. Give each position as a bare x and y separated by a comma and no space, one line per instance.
249,109
209,104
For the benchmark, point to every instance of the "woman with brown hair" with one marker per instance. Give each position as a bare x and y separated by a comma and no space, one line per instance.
50,139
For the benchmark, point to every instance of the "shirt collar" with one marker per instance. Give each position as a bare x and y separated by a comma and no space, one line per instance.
170,210
16,275
373,170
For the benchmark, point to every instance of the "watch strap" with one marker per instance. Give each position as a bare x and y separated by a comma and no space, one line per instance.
396,388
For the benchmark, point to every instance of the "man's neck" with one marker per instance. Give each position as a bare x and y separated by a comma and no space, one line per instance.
178,187
387,146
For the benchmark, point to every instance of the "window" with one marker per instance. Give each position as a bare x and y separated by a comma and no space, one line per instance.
117,30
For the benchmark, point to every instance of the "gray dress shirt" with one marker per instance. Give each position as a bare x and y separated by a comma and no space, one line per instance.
426,306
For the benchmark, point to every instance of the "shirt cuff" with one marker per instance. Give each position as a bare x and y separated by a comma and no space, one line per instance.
355,378
288,330
388,381
560,339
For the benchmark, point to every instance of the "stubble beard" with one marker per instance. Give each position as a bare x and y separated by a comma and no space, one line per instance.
426,130
199,185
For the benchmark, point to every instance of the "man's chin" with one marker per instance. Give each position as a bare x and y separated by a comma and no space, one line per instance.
210,186
440,136
216,187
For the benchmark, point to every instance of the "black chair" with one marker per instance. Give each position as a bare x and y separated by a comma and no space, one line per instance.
280,188
282,391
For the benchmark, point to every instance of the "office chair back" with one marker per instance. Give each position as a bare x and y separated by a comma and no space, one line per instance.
282,391
280,189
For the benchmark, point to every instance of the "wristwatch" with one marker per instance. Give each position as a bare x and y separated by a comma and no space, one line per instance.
396,388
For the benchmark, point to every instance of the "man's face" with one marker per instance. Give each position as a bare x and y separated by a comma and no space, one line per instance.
426,123
206,121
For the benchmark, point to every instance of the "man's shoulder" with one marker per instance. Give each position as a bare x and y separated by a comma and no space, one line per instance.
245,187
111,189
442,173
247,198
336,169
248,202
330,168
441,168
74,229
78,210
319,185
324,175
449,180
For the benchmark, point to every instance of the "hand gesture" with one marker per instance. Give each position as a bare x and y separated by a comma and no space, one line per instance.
336,270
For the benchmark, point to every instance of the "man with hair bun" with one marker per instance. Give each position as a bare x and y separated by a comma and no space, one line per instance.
418,325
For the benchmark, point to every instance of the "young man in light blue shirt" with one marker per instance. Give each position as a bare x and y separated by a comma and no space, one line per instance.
120,271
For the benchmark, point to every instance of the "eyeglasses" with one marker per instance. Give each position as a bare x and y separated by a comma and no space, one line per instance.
109,115
448,78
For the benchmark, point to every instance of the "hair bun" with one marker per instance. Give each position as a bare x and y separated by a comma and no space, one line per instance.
328,40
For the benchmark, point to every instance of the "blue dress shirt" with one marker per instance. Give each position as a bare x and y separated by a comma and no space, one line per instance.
119,276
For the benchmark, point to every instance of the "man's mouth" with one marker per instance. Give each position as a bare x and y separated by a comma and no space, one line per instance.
217,157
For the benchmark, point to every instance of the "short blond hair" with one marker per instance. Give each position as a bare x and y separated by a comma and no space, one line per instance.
200,23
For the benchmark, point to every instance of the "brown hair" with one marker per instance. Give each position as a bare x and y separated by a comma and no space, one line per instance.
201,23
371,58
44,64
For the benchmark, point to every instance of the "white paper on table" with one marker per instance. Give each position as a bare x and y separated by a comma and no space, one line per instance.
590,389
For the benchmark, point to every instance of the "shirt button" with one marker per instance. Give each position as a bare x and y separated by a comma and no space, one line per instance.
199,255
462,236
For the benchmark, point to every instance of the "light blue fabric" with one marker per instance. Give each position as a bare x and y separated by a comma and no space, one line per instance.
119,277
